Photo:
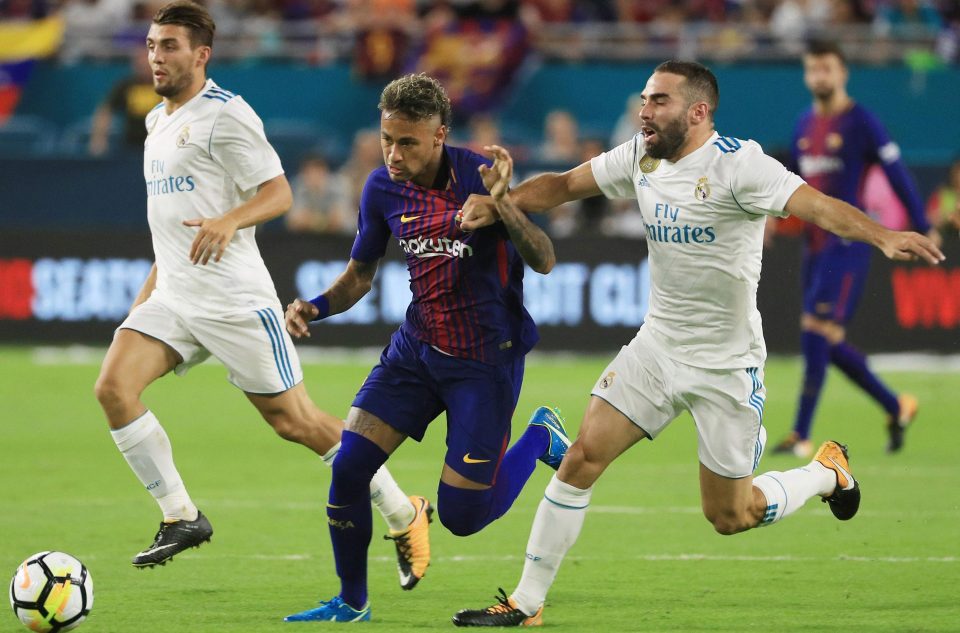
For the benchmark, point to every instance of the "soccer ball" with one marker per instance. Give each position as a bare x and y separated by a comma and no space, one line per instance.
51,591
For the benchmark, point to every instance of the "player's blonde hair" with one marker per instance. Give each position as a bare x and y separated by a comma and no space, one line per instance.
418,97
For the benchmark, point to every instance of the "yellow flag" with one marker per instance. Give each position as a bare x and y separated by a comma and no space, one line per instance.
27,40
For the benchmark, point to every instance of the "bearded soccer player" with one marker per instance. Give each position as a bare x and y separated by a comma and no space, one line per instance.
461,347
834,145
211,177
704,199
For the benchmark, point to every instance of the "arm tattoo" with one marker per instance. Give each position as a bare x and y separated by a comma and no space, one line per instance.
530,240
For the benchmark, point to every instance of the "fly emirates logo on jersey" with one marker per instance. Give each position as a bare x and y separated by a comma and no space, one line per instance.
159,183
668,227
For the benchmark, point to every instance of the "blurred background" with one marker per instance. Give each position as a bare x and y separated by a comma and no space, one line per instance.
556,81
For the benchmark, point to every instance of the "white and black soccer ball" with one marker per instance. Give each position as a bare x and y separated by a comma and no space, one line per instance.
51,591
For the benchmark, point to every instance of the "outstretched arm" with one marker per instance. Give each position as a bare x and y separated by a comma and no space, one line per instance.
351,286
539,193
848,222
529,239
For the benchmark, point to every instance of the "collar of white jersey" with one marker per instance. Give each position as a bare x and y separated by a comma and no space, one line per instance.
695,154
207,85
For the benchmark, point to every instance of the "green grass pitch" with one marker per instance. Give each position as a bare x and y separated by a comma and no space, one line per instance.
646,560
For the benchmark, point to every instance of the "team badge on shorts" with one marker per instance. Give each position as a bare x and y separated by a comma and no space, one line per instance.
702,191
184,136
607,380
648,164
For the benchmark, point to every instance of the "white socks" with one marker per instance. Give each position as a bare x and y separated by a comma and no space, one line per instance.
555,529
786,492
385,494
146,447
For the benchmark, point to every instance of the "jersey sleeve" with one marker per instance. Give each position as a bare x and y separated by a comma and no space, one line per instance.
373,232
613,170
761,184
887,154
239,145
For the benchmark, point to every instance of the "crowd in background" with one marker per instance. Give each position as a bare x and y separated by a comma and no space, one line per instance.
476,48
382,35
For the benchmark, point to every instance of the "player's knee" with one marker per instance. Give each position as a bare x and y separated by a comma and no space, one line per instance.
462,511
462,521
108,391
727,522
288,427
354,467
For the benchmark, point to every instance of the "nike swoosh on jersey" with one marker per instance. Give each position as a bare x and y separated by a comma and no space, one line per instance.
404,219
469,460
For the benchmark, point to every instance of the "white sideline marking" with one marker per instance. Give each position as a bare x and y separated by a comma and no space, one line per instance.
650,558
93,355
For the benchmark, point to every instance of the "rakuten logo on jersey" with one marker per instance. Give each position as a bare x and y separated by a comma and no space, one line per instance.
423,247
811,166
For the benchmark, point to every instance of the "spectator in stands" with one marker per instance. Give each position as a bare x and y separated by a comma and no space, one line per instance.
628,125
131,98
382,32
943,206
24,9
561,139
365,156
483,131
903,17
321,200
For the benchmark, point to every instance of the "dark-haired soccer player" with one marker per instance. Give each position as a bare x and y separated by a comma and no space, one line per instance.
461,347
834,144
705,199
211,177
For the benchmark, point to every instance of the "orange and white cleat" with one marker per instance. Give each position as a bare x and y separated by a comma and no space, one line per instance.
413,544
897,425
845,499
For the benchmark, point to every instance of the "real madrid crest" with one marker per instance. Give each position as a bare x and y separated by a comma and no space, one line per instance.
702,191
183,137
607,380
648,164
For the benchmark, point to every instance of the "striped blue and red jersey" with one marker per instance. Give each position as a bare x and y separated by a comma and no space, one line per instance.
833,153
467,286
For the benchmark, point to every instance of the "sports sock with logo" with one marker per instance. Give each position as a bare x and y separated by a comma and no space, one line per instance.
394,506
348,513
786,492
816,356
146,447
853,363
555,529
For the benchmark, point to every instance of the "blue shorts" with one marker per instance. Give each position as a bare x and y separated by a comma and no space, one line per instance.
414,383
833,280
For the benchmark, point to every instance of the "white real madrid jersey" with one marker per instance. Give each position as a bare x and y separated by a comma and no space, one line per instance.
704,217
203,160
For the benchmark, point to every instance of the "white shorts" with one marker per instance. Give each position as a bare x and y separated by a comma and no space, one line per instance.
253,346
726,404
